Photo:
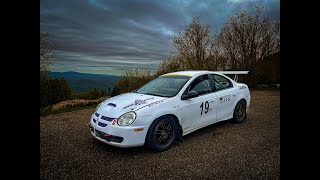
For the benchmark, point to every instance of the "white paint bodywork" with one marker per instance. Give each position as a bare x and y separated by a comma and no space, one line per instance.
186,111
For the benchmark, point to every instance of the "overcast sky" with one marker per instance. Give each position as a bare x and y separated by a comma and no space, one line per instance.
110,36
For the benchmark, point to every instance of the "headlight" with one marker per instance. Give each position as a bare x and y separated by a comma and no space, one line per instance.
126,119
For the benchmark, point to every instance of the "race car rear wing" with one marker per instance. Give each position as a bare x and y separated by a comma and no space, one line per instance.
234,72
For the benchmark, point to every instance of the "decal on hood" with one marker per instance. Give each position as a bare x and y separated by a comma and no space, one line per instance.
128,106
125,103
138,102
151,104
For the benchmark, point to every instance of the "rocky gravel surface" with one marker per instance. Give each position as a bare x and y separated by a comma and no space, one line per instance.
250,150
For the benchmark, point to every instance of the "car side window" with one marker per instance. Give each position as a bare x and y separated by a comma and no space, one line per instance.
201,85
221,82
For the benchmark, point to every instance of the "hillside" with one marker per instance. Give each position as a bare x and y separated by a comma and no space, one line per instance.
81,82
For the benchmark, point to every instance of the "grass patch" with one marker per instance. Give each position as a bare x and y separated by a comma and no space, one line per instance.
71,105
47,111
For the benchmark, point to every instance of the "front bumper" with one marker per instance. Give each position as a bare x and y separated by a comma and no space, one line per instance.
120,136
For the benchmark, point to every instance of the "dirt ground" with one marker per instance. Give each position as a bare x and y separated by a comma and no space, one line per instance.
250,150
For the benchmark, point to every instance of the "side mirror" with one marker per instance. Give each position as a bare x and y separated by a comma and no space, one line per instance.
190,94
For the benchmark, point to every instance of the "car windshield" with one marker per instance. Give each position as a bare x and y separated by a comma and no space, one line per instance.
164,86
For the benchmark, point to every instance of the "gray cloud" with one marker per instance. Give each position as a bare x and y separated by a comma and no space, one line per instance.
99,36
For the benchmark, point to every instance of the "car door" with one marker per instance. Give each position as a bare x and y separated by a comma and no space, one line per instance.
198,110
226,96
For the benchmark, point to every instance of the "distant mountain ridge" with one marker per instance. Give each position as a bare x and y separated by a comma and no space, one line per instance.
73,74
82,82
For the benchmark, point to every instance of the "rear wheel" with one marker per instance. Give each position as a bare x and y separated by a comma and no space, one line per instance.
162,134
240,114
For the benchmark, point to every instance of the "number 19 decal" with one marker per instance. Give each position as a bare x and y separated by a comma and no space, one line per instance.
206,106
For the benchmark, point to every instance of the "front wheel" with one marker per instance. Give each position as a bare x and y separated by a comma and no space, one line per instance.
162,134
240,113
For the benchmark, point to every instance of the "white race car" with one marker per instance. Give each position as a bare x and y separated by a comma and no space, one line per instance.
169,107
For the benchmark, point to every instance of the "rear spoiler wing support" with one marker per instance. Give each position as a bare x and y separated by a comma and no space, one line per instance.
236,73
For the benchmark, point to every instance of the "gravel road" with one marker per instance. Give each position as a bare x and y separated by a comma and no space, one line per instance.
250,150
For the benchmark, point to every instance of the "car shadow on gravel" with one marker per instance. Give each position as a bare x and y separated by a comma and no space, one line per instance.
131,151
209,129
117,150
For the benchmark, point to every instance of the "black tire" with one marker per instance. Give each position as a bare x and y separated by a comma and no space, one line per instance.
240,113
162,134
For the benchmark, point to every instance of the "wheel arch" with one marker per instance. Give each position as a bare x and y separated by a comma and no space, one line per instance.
176,119
243,99
240,99
178,124
245,104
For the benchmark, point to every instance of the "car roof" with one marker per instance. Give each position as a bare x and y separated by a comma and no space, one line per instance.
190,73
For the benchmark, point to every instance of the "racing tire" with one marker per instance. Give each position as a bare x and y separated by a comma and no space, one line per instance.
162,134
240,113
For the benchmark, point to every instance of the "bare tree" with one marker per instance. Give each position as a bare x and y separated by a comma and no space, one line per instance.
46,53
246,40
193,46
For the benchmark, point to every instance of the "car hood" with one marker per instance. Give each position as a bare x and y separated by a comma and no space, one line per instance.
118,105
